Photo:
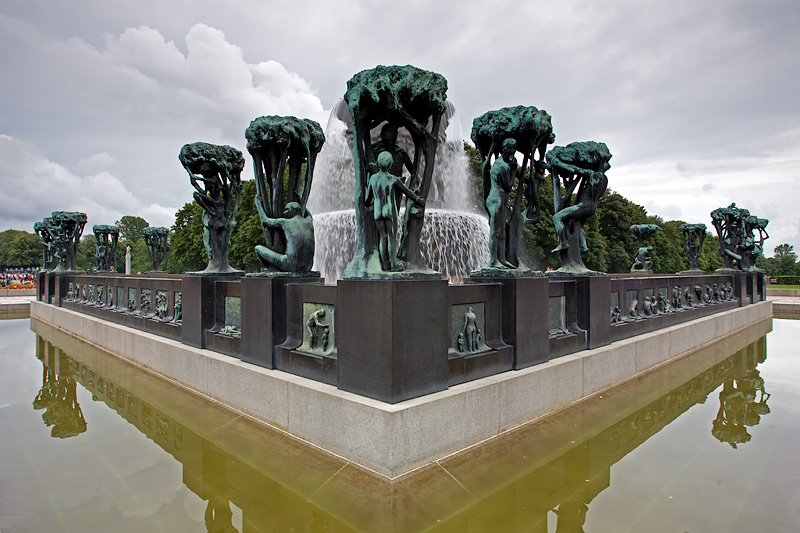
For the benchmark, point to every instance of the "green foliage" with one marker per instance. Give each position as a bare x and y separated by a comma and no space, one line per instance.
20,249
85,258
787,280
783,250
186,242
130,228
248,231
187,252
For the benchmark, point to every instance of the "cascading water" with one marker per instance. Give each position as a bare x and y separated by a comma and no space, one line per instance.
454,237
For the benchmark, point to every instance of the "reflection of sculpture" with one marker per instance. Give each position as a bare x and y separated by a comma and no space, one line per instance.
471,331
406,97
215,173
49,247
381,194
105,252
58,396
66,230
280,144
693,236
298,239
643,261
318,330
157,247
506,131
580,165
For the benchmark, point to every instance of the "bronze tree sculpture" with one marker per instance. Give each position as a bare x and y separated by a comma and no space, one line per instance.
215,173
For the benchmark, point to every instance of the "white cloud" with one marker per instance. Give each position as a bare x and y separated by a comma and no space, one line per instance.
37,186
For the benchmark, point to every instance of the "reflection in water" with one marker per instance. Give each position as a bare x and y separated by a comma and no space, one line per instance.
268,478
739,409
59,398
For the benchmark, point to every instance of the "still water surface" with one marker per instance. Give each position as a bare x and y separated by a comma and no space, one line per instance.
709,443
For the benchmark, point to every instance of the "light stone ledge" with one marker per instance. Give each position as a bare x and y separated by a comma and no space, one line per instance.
393,439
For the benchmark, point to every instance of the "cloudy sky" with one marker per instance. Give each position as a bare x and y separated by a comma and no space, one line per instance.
698,101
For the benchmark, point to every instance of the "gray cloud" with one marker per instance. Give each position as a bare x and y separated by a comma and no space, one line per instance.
687,95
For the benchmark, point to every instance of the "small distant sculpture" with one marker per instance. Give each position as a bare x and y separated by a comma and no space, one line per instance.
698,291
161,305
230,331
66,229
127,260
662,304
106,249
381,194
676,298
616,315
278,144
688,298
215,173
581,166
738,245
100,300
471,331
649,306
178,318
156,239
499,134
318,330
413,99
715,292
145,302
633,309
298,238
110,296
43,229
693,236
643,262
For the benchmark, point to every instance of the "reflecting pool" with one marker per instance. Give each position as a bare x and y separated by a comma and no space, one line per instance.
708,443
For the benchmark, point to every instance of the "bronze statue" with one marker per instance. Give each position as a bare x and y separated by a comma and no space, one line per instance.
297,232
499,134
215,173
279,145
381,194
581,166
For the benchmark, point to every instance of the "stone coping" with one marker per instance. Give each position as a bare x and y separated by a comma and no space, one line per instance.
394,439
783,292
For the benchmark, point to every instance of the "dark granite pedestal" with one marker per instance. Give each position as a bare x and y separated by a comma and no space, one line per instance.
392,337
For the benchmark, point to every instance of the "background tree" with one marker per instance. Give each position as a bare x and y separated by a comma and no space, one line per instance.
20,248
782,250
130,228
85,258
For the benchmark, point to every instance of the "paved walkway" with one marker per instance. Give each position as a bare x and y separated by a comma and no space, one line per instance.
15,303
785,303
